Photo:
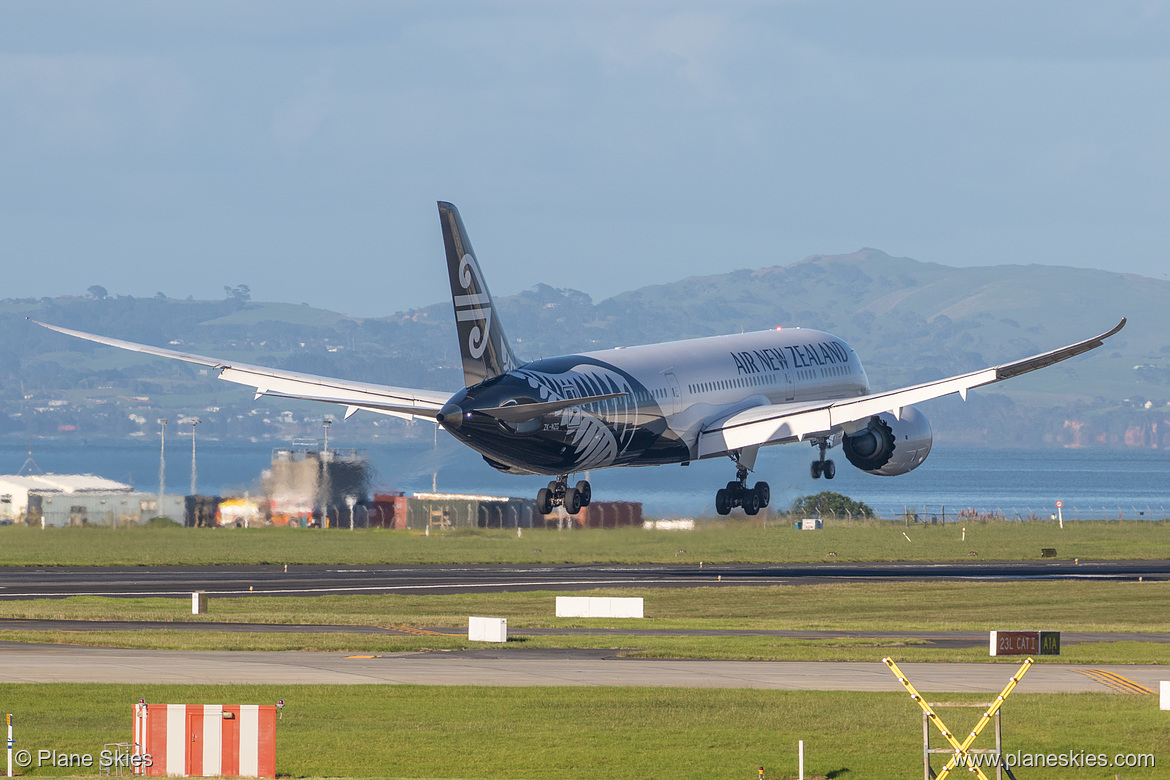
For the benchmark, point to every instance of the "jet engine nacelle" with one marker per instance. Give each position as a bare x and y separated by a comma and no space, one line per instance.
889,445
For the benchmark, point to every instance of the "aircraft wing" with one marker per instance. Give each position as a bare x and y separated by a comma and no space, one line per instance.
777,423
395,401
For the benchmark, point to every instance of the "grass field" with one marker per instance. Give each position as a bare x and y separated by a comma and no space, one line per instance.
886,606
598,733
879,606
713,542
619,733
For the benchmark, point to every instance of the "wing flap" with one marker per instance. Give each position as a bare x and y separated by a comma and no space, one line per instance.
396,401
762,425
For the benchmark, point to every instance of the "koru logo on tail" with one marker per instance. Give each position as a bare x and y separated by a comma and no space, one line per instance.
475,307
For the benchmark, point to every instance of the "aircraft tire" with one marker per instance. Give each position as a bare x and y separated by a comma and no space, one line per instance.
830,469
544,501
722,502
815,469
572,501
585,490
765,494
751,503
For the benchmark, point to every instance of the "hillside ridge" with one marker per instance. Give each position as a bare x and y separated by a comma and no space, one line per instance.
910,321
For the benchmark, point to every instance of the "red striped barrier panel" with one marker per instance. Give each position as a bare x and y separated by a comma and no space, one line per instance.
204,740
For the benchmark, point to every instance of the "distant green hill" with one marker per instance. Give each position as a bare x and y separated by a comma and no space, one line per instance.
909,321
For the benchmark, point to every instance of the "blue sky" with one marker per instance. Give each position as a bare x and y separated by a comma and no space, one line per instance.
299,147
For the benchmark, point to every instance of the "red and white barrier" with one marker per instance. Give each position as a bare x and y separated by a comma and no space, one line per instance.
205,740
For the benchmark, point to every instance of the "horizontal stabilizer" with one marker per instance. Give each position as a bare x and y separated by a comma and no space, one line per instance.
518,413
399,410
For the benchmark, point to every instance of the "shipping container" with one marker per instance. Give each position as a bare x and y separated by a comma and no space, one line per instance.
110,509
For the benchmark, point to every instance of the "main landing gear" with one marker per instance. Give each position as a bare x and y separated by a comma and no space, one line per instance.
737,493
821,466
558,493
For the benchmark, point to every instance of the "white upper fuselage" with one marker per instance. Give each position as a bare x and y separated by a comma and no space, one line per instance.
783,365
697,379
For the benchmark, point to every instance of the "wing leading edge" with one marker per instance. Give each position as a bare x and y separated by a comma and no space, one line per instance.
777,423
396,401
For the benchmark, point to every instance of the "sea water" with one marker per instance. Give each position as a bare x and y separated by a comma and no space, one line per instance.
1089,482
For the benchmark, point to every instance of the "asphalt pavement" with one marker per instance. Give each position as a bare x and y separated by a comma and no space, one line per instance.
23,663
317,580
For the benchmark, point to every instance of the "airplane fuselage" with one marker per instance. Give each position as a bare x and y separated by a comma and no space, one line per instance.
668,391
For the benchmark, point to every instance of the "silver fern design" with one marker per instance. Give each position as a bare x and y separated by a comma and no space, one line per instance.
595,444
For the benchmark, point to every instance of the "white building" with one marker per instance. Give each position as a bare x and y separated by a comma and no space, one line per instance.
15,490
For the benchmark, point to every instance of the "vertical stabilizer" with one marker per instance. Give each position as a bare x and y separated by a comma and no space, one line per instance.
482,343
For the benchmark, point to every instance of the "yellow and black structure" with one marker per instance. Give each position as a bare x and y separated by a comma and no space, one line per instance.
960,751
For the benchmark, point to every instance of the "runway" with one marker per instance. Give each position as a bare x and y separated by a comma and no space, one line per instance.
21,663
221,581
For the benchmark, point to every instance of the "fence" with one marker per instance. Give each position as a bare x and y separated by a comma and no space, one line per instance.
933,515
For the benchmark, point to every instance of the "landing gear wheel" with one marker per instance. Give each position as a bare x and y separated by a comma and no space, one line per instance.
820,466
544,501
764,492
585,491
751,503
572,501
722,501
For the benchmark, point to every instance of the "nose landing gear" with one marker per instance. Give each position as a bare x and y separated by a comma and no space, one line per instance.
737,493
821,466
558,493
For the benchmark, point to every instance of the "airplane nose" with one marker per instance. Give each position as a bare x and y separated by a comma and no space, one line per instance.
450,416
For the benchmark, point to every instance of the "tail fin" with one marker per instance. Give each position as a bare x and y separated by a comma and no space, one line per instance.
482,343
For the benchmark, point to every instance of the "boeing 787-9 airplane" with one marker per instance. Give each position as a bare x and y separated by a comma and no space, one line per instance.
723,396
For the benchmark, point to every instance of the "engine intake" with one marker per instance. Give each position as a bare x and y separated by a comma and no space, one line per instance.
889,445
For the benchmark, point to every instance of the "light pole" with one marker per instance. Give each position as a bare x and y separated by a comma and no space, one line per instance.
326,488
162,463
194,422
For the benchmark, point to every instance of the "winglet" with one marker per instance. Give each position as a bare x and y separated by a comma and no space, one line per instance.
1009,370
